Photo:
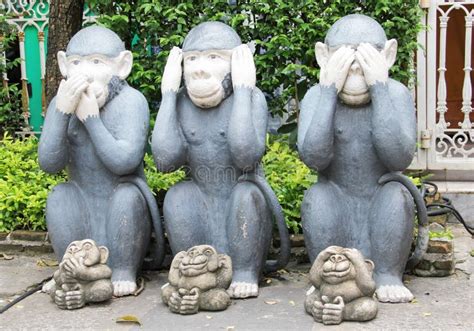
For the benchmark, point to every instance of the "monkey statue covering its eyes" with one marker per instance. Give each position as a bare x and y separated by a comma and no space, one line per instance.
357,129
343,288
83,276
198,280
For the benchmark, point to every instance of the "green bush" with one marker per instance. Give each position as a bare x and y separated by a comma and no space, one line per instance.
158,181
24,187
11,117
289,178
284,32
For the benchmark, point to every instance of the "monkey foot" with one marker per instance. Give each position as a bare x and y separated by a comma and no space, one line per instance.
393,294
240,290
124,287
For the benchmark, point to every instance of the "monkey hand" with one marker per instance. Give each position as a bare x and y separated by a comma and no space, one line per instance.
373,64
333,312
73,268
317,311
60,299
189,301
174,302
70,92
75,299
354,255
336,69
243,67
88,106
171,79
328,252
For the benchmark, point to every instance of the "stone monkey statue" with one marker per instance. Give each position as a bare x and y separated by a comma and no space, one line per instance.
357,128
83,276
343,287
198,280
216,126
97,128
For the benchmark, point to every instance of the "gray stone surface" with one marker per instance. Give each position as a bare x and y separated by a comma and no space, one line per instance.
83,276
198,280
343,287
357,128
215,126
96,126
440,304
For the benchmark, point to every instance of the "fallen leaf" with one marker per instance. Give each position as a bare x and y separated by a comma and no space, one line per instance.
4,256
414,301
20,306
208,317
47,263
128,319
269,281
292,303
230,328
271,302
426,314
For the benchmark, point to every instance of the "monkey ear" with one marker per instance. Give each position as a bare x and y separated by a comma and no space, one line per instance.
124,64
322,53
62,62
370,265
390,51
225,261
104,254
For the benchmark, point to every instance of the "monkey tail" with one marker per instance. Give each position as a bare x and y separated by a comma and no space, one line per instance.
274,205
159,253
423,230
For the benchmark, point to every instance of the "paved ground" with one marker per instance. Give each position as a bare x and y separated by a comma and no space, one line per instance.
441,303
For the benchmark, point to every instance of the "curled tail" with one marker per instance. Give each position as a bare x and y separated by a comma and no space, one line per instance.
423,230
274,205
159,253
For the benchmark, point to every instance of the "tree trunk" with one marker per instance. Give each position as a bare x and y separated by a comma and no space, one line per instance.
65,19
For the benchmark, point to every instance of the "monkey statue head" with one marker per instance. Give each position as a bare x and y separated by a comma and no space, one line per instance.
337,265
87,251
199,260
352,31
100,55
207,53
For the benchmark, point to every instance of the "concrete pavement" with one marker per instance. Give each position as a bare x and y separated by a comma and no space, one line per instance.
440,304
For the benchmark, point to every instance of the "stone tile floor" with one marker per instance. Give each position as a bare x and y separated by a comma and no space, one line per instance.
441,303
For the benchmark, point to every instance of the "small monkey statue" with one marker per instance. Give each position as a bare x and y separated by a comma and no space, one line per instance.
198,280
83,275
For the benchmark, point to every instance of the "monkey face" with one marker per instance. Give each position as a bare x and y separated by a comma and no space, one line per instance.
337,268
98,69
355,90
199,260
204,74
87,252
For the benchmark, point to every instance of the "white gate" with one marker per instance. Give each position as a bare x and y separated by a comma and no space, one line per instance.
444,89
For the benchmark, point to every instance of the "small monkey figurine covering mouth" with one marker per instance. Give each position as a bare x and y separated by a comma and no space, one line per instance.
198,280
83,276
